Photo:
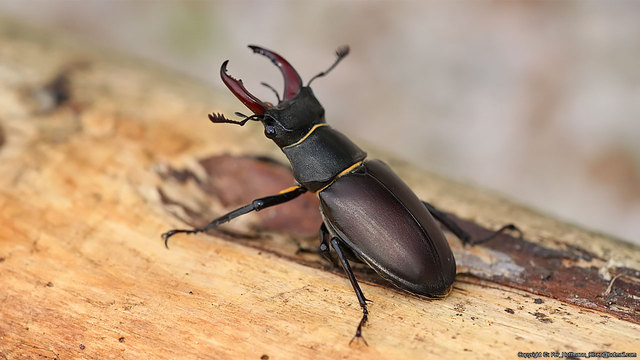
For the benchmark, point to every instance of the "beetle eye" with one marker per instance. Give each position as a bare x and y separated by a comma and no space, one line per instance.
269,131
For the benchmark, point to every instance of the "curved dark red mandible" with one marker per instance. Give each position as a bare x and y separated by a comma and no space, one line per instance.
292,81
238,89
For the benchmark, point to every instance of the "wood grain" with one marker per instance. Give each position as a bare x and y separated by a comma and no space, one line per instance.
87,165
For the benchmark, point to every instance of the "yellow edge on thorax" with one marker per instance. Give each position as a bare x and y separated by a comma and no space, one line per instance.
307,135
343,172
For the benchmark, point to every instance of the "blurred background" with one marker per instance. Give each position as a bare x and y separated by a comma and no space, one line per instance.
536,100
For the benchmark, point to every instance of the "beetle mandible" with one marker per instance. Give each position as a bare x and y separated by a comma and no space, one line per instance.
369,214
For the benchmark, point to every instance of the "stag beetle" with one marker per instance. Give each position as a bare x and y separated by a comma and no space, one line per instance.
369,214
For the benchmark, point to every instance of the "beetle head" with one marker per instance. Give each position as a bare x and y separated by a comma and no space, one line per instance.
294,115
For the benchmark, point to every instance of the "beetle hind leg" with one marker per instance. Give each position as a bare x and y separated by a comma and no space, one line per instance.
461,234
361,299
496,233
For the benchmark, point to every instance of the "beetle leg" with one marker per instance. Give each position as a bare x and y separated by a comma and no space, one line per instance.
442,217
496,233
256,205
361,299
450,224
323,248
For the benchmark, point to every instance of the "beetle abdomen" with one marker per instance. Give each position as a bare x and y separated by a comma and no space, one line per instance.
385,224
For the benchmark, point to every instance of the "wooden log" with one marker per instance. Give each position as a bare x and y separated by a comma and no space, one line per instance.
99,154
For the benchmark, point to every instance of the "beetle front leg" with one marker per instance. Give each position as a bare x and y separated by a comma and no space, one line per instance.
445,220
361,299
256,205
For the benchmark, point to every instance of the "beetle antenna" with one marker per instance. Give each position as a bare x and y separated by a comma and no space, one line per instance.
340,53
219,118
272,89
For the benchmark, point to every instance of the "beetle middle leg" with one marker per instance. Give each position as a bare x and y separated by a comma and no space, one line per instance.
323,248
256,205
445,220
335,243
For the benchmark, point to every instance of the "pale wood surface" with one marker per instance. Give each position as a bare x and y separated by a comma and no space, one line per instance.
84,275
